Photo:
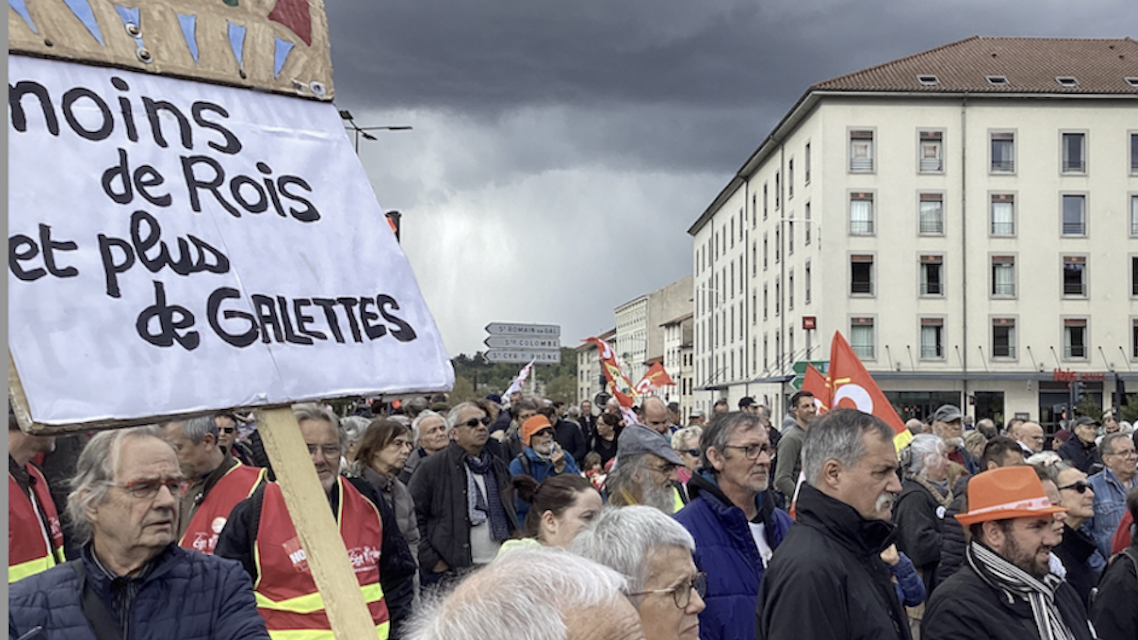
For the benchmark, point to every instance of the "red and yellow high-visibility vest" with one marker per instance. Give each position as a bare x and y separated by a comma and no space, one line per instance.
209,518
31,548
286,593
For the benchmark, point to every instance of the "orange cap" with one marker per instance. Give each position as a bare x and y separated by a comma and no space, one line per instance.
533,425
1006,493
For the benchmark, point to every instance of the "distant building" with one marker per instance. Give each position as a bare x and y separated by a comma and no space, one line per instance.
639,331
678,359
589,374
978,205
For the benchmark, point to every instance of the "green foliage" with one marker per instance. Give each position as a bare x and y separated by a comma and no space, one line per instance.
1088,407
562,388
1130,409
495,377
463,390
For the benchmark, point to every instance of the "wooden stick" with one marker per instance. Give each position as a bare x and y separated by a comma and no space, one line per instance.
315,526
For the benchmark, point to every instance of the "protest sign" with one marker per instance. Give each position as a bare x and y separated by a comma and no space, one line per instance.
177,246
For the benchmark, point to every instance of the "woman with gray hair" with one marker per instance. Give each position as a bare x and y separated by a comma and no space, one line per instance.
352,428
920,508
654,552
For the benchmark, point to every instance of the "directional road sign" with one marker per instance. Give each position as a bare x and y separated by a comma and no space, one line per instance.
799,369
514,329
520,342
524,356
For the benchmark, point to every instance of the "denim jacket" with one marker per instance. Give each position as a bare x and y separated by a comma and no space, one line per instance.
1110,504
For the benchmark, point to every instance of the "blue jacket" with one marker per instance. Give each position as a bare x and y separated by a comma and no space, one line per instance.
185,595
539,469
725,550
1110,505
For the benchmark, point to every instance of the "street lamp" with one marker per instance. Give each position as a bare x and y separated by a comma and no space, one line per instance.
346,116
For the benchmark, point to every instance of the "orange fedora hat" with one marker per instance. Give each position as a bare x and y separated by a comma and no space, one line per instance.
1006,493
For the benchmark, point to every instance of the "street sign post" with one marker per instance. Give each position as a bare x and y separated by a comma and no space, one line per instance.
515,329
519,342
799,369
541,356
523,343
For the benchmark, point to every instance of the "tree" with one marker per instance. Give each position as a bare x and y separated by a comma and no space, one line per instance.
1130,409
463,390
562,388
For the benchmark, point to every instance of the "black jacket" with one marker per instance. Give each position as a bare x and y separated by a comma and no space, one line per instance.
920,530
1082,456
439,491
1074,551
953,541
969,606
1113,612
827,581
396,566
569,436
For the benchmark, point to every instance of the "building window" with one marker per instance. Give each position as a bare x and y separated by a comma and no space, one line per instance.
1075,339
765,200
806,232
1134,153
777,191
1134,276
932,338
790,235
861,275
931,276
1003,153
754,210
1134,339
1003,338
807,283
1003,276
932,214
1074,158
1133,216
1003,215
777,244
1074,215
765,299
861,151
861,214
1075,276
932,152
766,250
861,338
790,179
806,161
777,297
790,291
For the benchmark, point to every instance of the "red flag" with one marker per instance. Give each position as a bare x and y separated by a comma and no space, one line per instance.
854,388
817,384
616,378
655,378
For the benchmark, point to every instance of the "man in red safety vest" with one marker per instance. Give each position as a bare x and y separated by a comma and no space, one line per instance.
218,481
35,540
261,535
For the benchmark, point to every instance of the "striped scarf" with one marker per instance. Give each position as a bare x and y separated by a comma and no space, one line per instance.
1015,582
488,507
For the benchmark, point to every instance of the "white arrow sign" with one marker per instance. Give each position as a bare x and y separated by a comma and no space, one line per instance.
513,329
521,355
516,342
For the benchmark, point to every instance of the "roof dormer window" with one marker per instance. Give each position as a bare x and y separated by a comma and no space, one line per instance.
928,80
998,81
1132,82
1067,81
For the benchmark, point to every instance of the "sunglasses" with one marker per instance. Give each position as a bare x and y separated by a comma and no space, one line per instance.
228,429
1080,487
474,422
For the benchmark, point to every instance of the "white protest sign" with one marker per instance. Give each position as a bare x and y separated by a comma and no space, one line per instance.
177,246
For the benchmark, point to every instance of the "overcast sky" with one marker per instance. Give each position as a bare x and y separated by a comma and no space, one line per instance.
561,151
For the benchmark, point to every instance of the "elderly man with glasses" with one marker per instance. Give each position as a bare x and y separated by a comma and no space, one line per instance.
1111,486
132,580
655,553
464,501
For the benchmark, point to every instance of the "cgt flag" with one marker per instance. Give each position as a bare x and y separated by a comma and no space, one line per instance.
616,378
817,384
655,378
854,388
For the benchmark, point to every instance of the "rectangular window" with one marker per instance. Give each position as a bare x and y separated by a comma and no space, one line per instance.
1003,153
861,151
1074,215
806,161
1003,338
1134,276
806,232
777,244
765,299
1003,276
1133,216
754,258
777,297
1075,276
861,214
1134,153
1074,153
790,235
932,338
1134,339
790,179
932,152
732,232
861,337
777,191
861,275
807,283
1003,215
766,250
1075,339
790,291
932,214
765,200
931,273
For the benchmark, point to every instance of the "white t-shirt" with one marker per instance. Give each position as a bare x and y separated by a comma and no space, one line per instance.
483,546
759,533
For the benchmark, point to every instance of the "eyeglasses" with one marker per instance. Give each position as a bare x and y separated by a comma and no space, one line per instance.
474,422
681,593
1080,486
228,429
665,468
752,451
1124,454
329,450
691,452
147,489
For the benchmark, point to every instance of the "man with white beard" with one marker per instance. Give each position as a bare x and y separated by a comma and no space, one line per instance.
827,580
541,456
948,425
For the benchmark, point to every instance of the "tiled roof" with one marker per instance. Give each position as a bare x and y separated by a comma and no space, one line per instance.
1029,65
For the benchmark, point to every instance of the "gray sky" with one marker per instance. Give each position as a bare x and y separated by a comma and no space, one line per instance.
562,150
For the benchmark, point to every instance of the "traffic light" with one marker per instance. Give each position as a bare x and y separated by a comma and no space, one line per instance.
394,219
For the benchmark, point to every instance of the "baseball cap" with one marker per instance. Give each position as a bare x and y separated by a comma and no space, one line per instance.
1085,420
747,402
947,413
637,439
1006,493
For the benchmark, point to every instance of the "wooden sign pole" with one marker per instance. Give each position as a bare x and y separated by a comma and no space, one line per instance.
317,530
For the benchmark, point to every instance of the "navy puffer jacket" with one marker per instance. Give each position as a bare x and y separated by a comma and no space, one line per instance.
725,550
186,595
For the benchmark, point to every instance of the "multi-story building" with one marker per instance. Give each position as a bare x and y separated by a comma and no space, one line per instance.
967,217
589,374
639,325
678,360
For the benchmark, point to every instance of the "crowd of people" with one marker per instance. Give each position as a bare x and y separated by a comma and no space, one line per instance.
521,518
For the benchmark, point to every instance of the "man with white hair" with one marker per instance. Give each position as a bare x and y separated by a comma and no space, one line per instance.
827,581
539,593
654,553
